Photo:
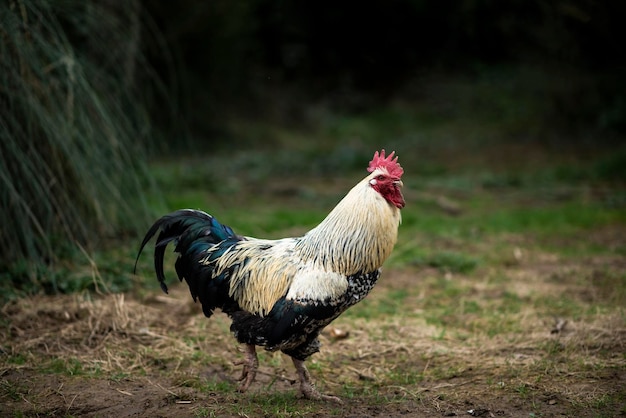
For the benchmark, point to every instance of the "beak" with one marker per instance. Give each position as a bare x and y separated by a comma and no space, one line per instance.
398,184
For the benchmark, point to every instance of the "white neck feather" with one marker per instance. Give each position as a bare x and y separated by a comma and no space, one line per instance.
358,235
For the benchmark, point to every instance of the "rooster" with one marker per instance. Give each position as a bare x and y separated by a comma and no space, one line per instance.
280,294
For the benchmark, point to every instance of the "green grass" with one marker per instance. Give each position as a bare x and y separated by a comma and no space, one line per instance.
12,391
430,237
69,366
446,261
469,180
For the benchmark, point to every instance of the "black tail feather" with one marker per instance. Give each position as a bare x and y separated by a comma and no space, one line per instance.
159,254
172,226
153,229
184,227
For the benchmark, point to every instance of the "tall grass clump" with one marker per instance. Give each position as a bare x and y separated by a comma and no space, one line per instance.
72,128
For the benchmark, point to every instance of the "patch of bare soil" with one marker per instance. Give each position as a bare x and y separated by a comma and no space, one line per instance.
112,355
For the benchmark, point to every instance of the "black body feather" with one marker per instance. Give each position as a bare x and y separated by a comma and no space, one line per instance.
293,325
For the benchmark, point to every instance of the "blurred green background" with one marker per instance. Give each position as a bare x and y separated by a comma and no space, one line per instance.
508,117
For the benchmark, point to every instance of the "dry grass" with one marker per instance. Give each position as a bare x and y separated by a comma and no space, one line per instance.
108,333
117,355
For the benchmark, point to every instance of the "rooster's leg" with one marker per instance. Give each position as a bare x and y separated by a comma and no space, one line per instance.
250,366
306,387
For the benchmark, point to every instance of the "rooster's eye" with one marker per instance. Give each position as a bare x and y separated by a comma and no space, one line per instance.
380,177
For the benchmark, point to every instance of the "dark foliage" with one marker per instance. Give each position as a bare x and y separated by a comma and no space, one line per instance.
72,131
241,51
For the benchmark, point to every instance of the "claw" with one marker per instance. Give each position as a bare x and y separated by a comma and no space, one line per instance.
306,387
250,366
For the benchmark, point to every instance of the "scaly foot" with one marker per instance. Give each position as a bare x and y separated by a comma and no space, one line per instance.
306,387
250,366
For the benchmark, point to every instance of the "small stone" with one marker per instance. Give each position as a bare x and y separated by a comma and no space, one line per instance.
338,334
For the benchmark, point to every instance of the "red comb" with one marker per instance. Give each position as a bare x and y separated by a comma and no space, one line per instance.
388,163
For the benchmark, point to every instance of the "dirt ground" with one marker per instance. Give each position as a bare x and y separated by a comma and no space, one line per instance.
157,356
